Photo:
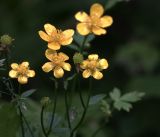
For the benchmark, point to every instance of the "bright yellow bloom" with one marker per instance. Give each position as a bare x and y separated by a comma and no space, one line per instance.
93,23
92,66
21,71
55,37
57,63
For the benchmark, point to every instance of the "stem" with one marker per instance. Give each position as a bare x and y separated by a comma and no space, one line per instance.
84,112
83,44
21,120
80,95
7,60
67,111
27,125
54,108
42,124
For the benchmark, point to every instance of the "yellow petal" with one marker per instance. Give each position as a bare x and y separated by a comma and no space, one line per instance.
47,67
14,66
67,42
84,64
82,16
106,21
22,79
49,29
25,64
86,73
54,45
98,30
66,66
13,74
83,28
64,56
30,73
50,54
96,10
44,36
97,75
103,64
67,33
58,72
93,57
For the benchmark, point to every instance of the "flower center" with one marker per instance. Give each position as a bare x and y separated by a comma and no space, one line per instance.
57,60
95,21
92,65
22,70
57,35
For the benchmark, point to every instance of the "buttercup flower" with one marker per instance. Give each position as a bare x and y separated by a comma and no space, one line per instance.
55,37
93,23
57,63
21,71
92,66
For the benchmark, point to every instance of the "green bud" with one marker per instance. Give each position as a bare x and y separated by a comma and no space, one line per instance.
6,40
45,101
78,58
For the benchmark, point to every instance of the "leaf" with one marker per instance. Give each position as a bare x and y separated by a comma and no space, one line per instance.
28,93
2,62
115,95
9,120
132,96
110,3
124,102
122,105
97,98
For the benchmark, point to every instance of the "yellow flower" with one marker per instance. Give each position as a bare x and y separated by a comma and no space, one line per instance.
21,71
92,66
55,37
93,23
57,63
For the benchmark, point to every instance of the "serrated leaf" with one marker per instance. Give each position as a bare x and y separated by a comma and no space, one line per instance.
97,98
115,94
132,96
28,93
122,105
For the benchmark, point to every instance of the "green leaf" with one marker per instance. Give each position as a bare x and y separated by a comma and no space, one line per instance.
115,95
28,93
97,98
111,3
9,120
124,102
132,96
122,105
2,62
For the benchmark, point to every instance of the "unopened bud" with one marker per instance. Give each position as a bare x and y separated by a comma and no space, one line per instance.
6,40
78,58
45,101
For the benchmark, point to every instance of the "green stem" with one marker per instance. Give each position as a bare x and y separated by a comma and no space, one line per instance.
21,120
67,111
83,44
29,128
54,108
84,112
42,124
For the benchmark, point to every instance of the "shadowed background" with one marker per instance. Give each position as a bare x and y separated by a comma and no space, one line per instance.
131,48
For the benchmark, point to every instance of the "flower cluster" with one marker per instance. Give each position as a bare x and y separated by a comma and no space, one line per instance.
94,23
56,38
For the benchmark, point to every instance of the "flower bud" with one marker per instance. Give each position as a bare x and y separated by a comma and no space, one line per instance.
78,58
6,40
45,101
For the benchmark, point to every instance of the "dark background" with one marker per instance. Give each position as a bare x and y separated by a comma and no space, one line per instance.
131,48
